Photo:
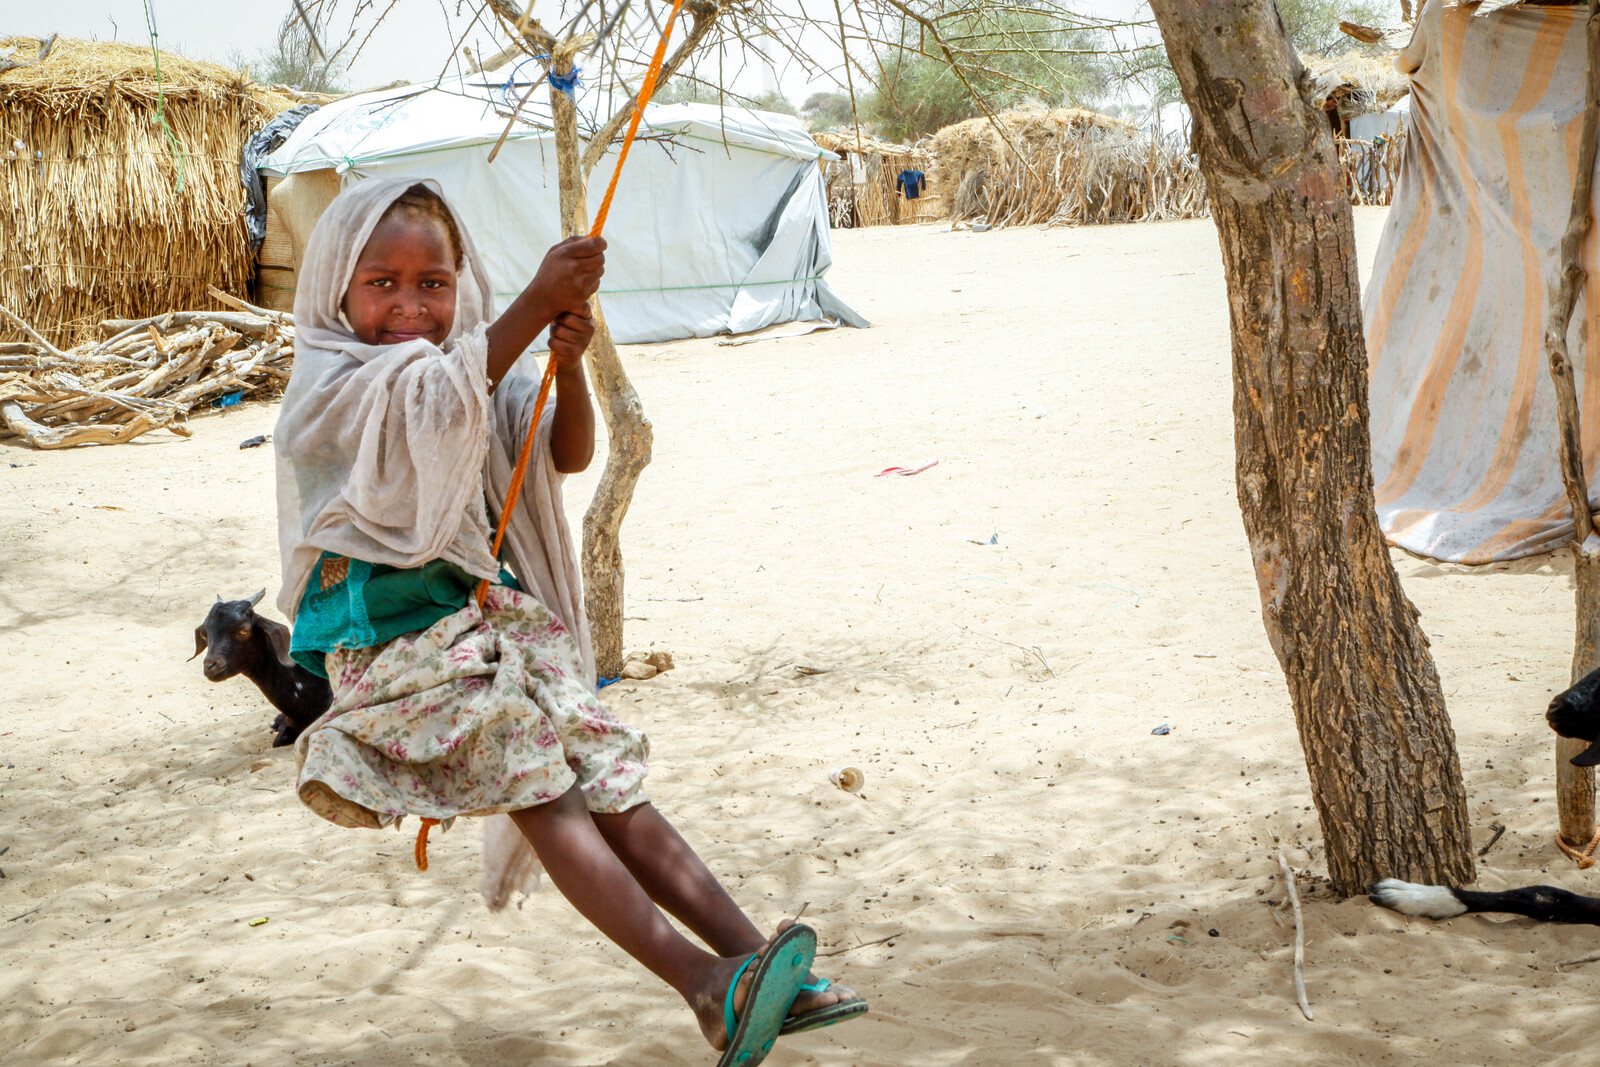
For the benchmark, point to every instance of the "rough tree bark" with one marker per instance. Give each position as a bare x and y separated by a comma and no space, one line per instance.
1378,745
1575,785
627,429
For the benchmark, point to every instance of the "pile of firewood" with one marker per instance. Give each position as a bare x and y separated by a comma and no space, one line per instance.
147,374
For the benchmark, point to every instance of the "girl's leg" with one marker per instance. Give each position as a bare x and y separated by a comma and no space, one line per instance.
665,867
588,873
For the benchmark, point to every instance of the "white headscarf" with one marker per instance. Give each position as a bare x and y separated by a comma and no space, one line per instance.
383,450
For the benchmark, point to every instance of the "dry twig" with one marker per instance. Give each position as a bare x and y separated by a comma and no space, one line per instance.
1299,938
864,944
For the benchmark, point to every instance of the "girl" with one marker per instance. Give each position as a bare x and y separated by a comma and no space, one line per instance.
398,422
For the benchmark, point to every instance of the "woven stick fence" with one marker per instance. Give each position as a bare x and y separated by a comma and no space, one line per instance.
1372,168
147,374
1064,166
877,199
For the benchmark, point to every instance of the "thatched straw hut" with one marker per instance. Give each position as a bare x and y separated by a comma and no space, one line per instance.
1063,165
1348,87
863,187
1355,84
121,183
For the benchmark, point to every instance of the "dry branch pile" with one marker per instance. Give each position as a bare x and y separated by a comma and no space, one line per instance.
113,211
1064,165
148,374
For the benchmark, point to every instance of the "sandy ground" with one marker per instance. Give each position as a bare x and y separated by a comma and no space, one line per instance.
1001,635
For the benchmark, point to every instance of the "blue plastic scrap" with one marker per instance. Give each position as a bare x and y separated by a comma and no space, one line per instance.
566,83
1162,729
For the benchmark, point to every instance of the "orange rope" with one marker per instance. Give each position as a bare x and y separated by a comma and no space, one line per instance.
646,90
421,851
1584,859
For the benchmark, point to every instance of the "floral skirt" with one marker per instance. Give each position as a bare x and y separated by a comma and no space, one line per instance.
484,712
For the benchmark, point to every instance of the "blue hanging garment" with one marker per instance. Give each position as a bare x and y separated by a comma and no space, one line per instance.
911,182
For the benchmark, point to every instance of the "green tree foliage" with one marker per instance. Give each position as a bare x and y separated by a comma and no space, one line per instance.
1313,25
1010,56
686,91
295,60
824,111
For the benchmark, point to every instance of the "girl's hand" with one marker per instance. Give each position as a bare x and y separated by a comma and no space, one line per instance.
568,277
570,334
570,274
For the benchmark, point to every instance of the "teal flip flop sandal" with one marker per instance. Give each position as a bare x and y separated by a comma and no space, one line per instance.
777,979
820,1017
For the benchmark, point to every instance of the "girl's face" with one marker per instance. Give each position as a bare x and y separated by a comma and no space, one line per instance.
404,284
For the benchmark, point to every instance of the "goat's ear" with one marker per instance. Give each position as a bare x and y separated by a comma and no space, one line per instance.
199,640
257,598
1589,757
277,636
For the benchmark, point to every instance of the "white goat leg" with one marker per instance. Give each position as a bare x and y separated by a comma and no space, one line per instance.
1426,901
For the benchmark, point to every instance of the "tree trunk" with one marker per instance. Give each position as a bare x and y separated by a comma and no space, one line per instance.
626,427
1575,785
1378,745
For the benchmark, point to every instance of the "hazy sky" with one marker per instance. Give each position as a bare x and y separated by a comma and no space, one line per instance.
413,43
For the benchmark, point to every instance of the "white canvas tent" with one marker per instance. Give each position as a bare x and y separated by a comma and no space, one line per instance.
1387,123
1463,413
719,224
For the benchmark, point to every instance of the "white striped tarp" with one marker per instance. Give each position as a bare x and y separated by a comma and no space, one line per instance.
1463,412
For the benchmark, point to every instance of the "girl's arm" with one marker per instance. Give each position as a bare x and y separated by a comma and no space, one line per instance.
572,436
568,277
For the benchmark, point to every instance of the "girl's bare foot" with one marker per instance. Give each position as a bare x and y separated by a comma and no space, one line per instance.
709,1001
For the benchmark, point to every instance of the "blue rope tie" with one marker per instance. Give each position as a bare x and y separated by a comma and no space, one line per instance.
566,83
516,70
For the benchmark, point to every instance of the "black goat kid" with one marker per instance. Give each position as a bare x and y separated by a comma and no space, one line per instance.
238,641
1574,713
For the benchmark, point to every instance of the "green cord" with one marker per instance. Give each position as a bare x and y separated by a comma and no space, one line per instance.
161,117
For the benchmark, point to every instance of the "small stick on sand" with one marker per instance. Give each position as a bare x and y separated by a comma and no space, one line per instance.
864,944
1498,829
1299,939
1573,963
1035,649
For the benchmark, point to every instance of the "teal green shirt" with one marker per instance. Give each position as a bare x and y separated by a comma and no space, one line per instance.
375,604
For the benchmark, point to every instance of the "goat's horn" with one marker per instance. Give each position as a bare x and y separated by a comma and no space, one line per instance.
257,598
219,598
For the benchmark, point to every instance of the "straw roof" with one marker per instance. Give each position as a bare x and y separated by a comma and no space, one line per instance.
840,141
1028,129
1357,83
119,214
76,69
1064,164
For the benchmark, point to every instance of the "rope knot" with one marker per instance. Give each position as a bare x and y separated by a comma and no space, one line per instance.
1585,859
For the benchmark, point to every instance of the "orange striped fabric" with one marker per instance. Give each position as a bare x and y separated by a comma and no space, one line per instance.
1463,413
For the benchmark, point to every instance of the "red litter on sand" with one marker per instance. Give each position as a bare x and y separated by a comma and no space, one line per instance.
918,469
